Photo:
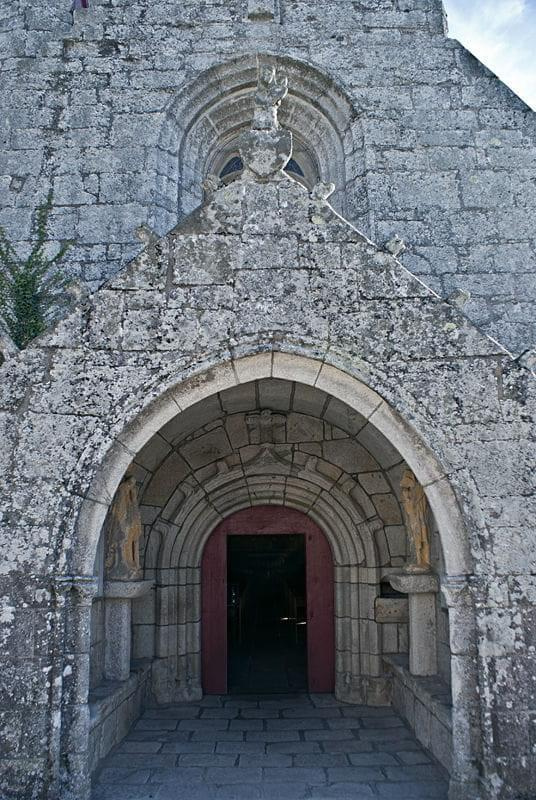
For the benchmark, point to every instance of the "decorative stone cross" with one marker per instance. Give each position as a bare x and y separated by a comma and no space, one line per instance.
266,427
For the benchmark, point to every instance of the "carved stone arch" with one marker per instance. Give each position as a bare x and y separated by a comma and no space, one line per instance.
351,539
305,369
205,119
178,558
344,385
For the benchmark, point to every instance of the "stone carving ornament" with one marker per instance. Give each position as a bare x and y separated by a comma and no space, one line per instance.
123,533
321,211
272,88
415,507
266,148
211,184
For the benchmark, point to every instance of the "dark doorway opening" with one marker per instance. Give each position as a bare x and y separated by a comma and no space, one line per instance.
266,613
262,521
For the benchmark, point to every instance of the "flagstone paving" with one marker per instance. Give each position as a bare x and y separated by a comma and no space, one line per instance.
287,747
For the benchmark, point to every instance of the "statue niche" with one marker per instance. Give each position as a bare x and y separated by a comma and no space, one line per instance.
123,533
415,507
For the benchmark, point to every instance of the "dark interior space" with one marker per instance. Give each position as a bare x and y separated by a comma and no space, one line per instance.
267,629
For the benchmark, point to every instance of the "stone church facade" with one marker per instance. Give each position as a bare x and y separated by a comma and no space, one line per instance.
270,344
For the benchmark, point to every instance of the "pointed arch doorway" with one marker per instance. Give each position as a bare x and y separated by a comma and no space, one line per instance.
318,609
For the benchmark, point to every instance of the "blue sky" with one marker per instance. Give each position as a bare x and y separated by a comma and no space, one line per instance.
502,34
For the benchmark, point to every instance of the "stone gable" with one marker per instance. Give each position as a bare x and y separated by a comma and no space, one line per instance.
125,109
261,350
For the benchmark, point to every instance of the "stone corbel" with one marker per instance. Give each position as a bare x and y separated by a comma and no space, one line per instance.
118,597
421,589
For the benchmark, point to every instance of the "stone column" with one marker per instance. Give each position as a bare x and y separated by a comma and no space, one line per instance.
118,625
467,753
421,589
74,595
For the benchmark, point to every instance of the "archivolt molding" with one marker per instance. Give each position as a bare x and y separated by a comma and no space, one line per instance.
173,559
351,538
309,371
204,121
231,451
176,544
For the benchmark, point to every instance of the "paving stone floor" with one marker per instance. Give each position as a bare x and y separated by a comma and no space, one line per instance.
286,747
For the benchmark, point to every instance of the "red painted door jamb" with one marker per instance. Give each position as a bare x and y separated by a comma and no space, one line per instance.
320,594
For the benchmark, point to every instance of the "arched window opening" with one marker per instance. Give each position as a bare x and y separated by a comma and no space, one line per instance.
295,168
234,166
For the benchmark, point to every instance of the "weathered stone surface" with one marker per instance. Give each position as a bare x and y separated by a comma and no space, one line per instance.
451,141
341,364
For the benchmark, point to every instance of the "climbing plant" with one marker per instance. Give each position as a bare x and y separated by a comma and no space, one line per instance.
30,288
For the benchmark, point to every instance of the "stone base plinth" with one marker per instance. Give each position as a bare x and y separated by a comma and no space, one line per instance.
118,625
421,589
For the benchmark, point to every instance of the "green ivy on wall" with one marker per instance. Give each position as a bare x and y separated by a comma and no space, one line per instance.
30,288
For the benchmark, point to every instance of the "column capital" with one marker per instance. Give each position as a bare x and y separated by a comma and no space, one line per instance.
414,583
457,590
126,590
84,586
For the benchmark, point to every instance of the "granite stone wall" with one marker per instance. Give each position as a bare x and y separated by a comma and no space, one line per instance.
125,107
264,281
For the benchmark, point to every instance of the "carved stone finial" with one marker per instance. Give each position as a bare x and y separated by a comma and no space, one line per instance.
415,507
459,298
320,208
528,360
78,292
145,234
395,246
123,532
266,148
322,191
211,184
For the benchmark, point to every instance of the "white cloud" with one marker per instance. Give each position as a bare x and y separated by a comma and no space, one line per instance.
501,33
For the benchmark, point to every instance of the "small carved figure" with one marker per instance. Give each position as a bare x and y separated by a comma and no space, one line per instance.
459,298
123,533
416,508
322,191
272,88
